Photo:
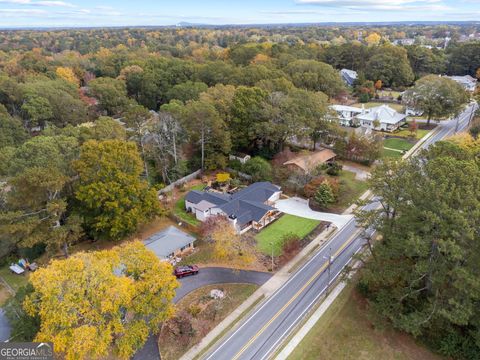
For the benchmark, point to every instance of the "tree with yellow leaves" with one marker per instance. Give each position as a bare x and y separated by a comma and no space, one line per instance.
228,246
223,177
373,39
97,303
67,74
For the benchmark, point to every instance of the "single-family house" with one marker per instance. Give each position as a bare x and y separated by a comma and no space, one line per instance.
382,117
345,115
251,207
169,243
243,158
307,163
467,81
405,42
348,76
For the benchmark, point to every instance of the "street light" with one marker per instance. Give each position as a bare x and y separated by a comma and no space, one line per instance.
271,244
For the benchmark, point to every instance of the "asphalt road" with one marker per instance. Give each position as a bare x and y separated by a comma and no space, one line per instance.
206,276
262,332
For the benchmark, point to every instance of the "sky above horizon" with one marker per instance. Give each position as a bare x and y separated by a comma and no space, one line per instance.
56,13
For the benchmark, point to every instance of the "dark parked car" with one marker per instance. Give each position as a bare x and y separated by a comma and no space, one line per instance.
181,271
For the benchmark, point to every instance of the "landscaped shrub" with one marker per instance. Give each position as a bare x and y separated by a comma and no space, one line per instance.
324,195
259,168
364,98
235,164
311,188
334,169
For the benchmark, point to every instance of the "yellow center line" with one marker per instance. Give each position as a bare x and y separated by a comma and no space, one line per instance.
297,294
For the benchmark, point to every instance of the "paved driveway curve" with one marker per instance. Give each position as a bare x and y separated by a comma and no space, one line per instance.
299,207
206,276
217,275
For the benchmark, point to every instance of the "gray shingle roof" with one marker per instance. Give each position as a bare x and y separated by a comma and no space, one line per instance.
196,196
167,241
246,205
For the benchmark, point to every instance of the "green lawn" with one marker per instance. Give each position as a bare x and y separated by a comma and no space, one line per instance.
387,153
275,232
179,209
15,281
398,144
350,190
345,332
407,134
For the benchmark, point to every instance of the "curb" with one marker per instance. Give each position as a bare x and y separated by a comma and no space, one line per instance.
265,291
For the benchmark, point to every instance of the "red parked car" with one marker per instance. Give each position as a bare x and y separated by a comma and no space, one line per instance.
181,271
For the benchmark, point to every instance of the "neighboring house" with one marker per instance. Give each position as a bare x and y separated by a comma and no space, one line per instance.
243,158
467,81
345,115
307,163
413,112
405,42
169,243
349,76
251,207
382,117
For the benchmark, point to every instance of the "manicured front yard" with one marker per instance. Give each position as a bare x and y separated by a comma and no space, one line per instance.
197,314
407,134
345,332
179,209
397,144
395,148
387,153
273,234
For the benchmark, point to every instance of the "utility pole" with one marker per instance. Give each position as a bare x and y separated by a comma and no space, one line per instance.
271,244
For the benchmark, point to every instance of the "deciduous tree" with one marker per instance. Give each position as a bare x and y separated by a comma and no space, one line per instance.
96,303
113,199
438,97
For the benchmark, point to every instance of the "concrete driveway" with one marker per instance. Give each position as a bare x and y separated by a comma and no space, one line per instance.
299,207
206,276
217,275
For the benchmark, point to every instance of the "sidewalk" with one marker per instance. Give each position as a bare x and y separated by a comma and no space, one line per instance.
315,317
278,280
263,292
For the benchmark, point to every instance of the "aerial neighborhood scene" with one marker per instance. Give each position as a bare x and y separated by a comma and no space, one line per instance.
216,180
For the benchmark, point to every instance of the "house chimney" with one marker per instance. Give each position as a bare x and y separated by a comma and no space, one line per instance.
363,109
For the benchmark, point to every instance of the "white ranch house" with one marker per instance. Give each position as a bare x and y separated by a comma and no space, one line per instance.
387,119
251,207
381,117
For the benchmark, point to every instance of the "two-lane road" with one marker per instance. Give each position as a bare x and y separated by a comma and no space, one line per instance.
263,331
